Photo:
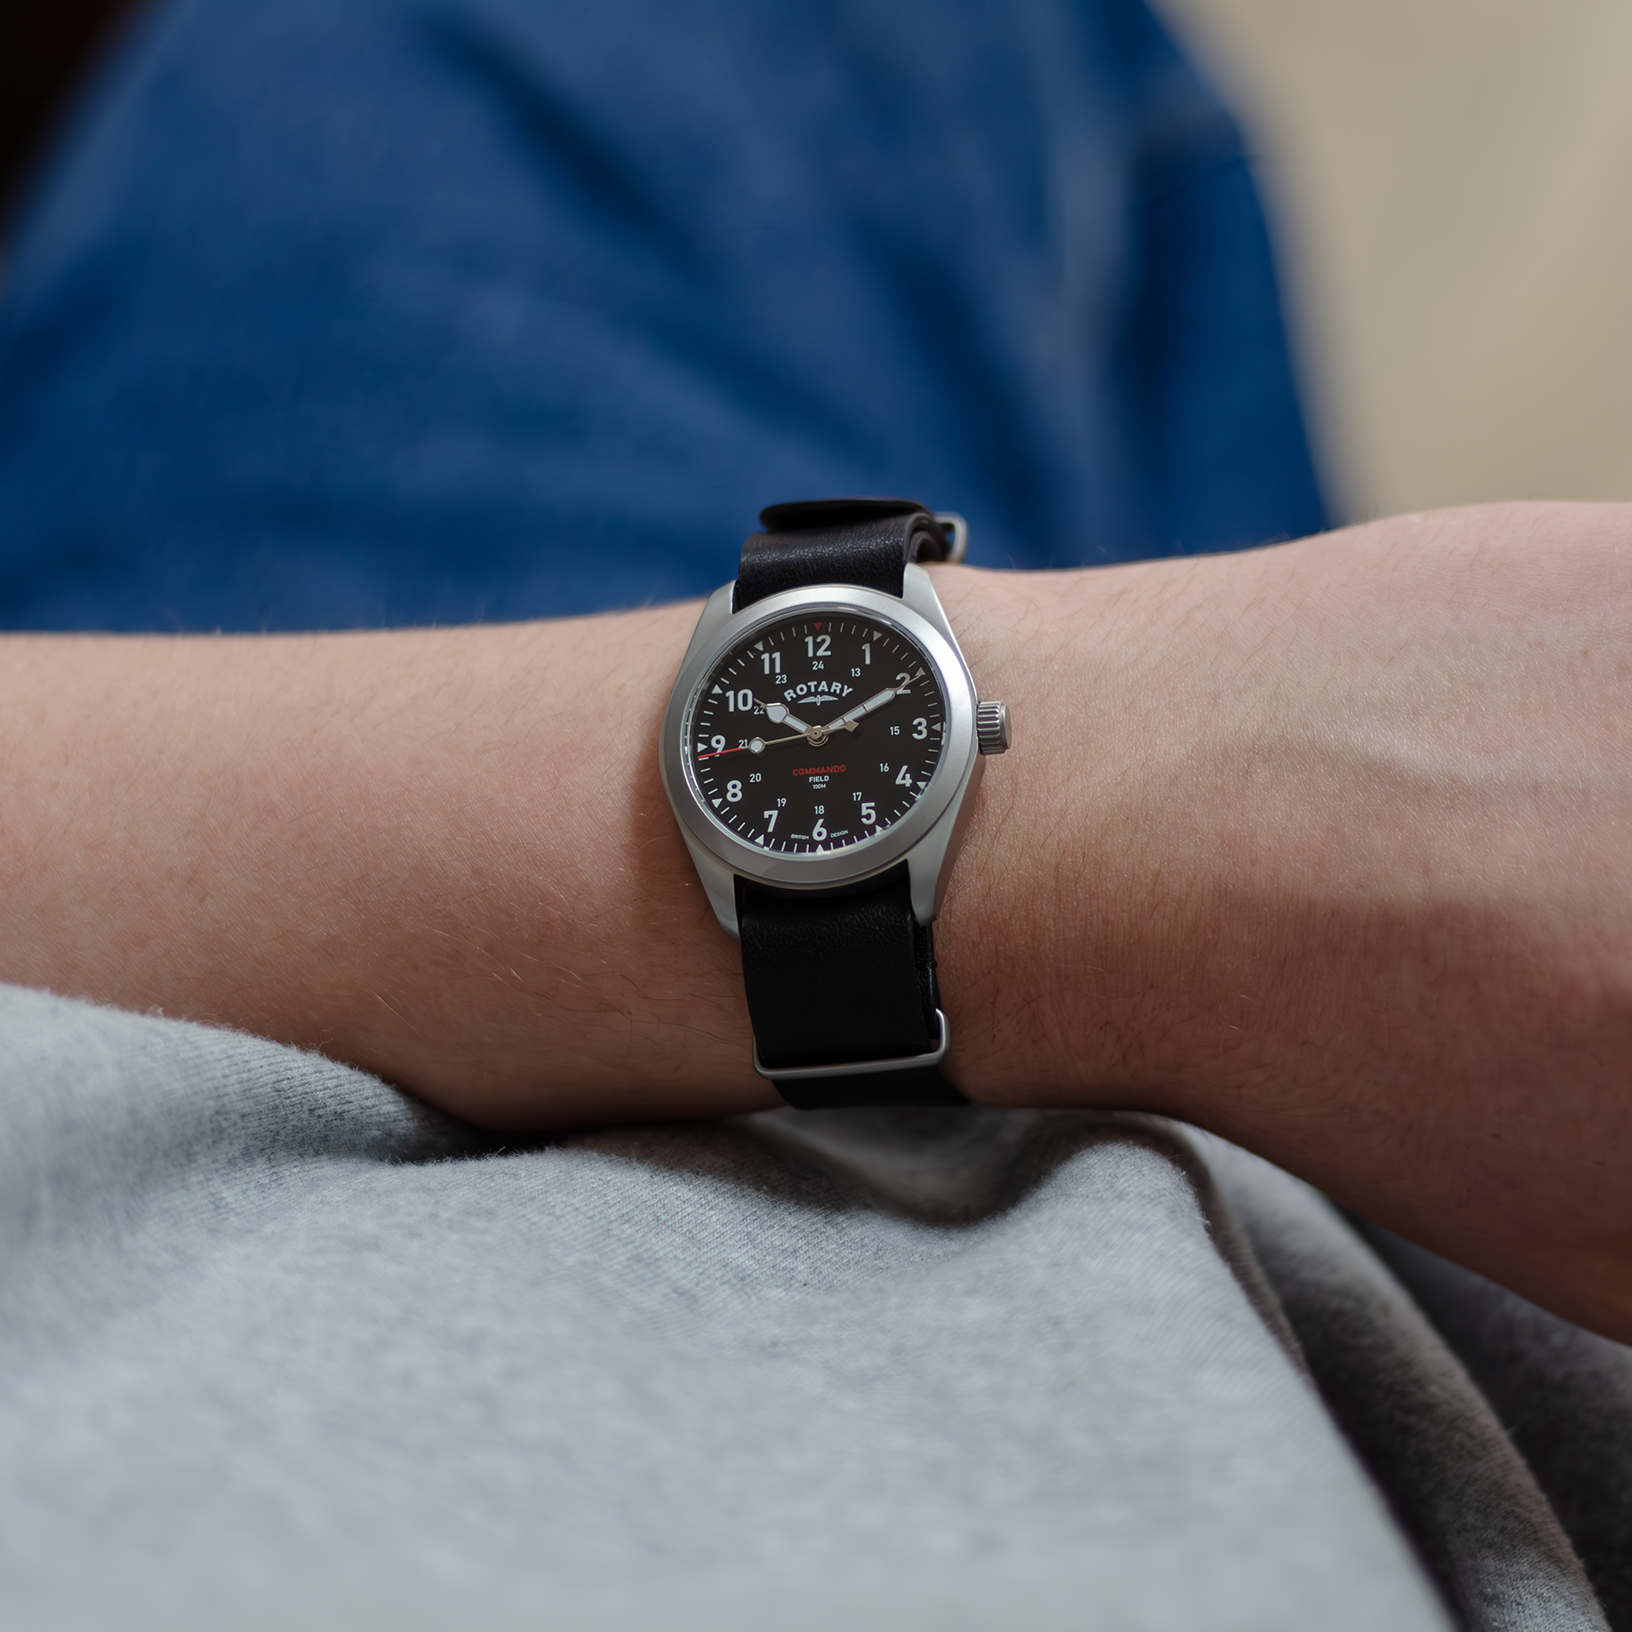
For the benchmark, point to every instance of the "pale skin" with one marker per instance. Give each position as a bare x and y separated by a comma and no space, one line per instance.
1326,847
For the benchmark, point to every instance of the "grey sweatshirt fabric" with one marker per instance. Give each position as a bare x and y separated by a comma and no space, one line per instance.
280,1346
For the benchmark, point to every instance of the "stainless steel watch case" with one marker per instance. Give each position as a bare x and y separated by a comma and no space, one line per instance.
927,838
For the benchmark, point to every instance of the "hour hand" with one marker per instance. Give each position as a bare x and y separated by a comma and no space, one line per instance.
778,715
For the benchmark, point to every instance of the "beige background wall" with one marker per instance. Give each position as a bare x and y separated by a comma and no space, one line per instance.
1451,188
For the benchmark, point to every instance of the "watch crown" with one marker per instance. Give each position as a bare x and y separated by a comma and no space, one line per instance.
992,727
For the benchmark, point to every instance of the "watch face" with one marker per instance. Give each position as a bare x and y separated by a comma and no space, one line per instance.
816,733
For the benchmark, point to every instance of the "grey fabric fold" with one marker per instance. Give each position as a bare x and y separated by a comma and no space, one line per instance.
279,1345
1562,1394
1433,1443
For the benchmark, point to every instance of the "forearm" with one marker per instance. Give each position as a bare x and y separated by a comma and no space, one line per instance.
442,855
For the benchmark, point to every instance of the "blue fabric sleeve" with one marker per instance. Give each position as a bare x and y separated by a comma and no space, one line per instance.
360,312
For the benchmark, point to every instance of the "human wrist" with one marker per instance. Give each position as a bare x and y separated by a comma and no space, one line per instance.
1028,939
1323,847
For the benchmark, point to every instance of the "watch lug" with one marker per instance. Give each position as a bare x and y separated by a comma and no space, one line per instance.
918,592
719,882
716,611
929,863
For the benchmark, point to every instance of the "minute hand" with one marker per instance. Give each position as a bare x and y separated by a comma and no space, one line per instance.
848,719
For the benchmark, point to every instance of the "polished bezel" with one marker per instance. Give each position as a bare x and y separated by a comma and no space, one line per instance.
959,753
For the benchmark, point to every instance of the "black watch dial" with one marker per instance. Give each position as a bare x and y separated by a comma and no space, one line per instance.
816,733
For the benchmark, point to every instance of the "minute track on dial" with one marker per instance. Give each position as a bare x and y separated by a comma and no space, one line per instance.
863,771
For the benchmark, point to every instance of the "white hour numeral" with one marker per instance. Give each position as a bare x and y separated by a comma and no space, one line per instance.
817,645
869,814
866,651
903,777
740,702
773,663
819,831
920,728
711,744
769,817
733,792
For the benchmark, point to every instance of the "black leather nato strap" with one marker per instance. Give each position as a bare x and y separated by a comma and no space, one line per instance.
837,978
837,541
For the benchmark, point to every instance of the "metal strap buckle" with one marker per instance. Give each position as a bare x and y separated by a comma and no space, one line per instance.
858,1068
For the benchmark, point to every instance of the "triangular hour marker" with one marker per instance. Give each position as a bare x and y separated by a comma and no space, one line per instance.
716,804
818,626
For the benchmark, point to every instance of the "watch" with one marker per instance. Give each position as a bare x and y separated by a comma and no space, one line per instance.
821,751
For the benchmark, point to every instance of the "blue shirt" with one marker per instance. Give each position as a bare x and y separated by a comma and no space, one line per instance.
333,313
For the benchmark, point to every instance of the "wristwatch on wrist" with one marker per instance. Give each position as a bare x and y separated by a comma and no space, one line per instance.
821,750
